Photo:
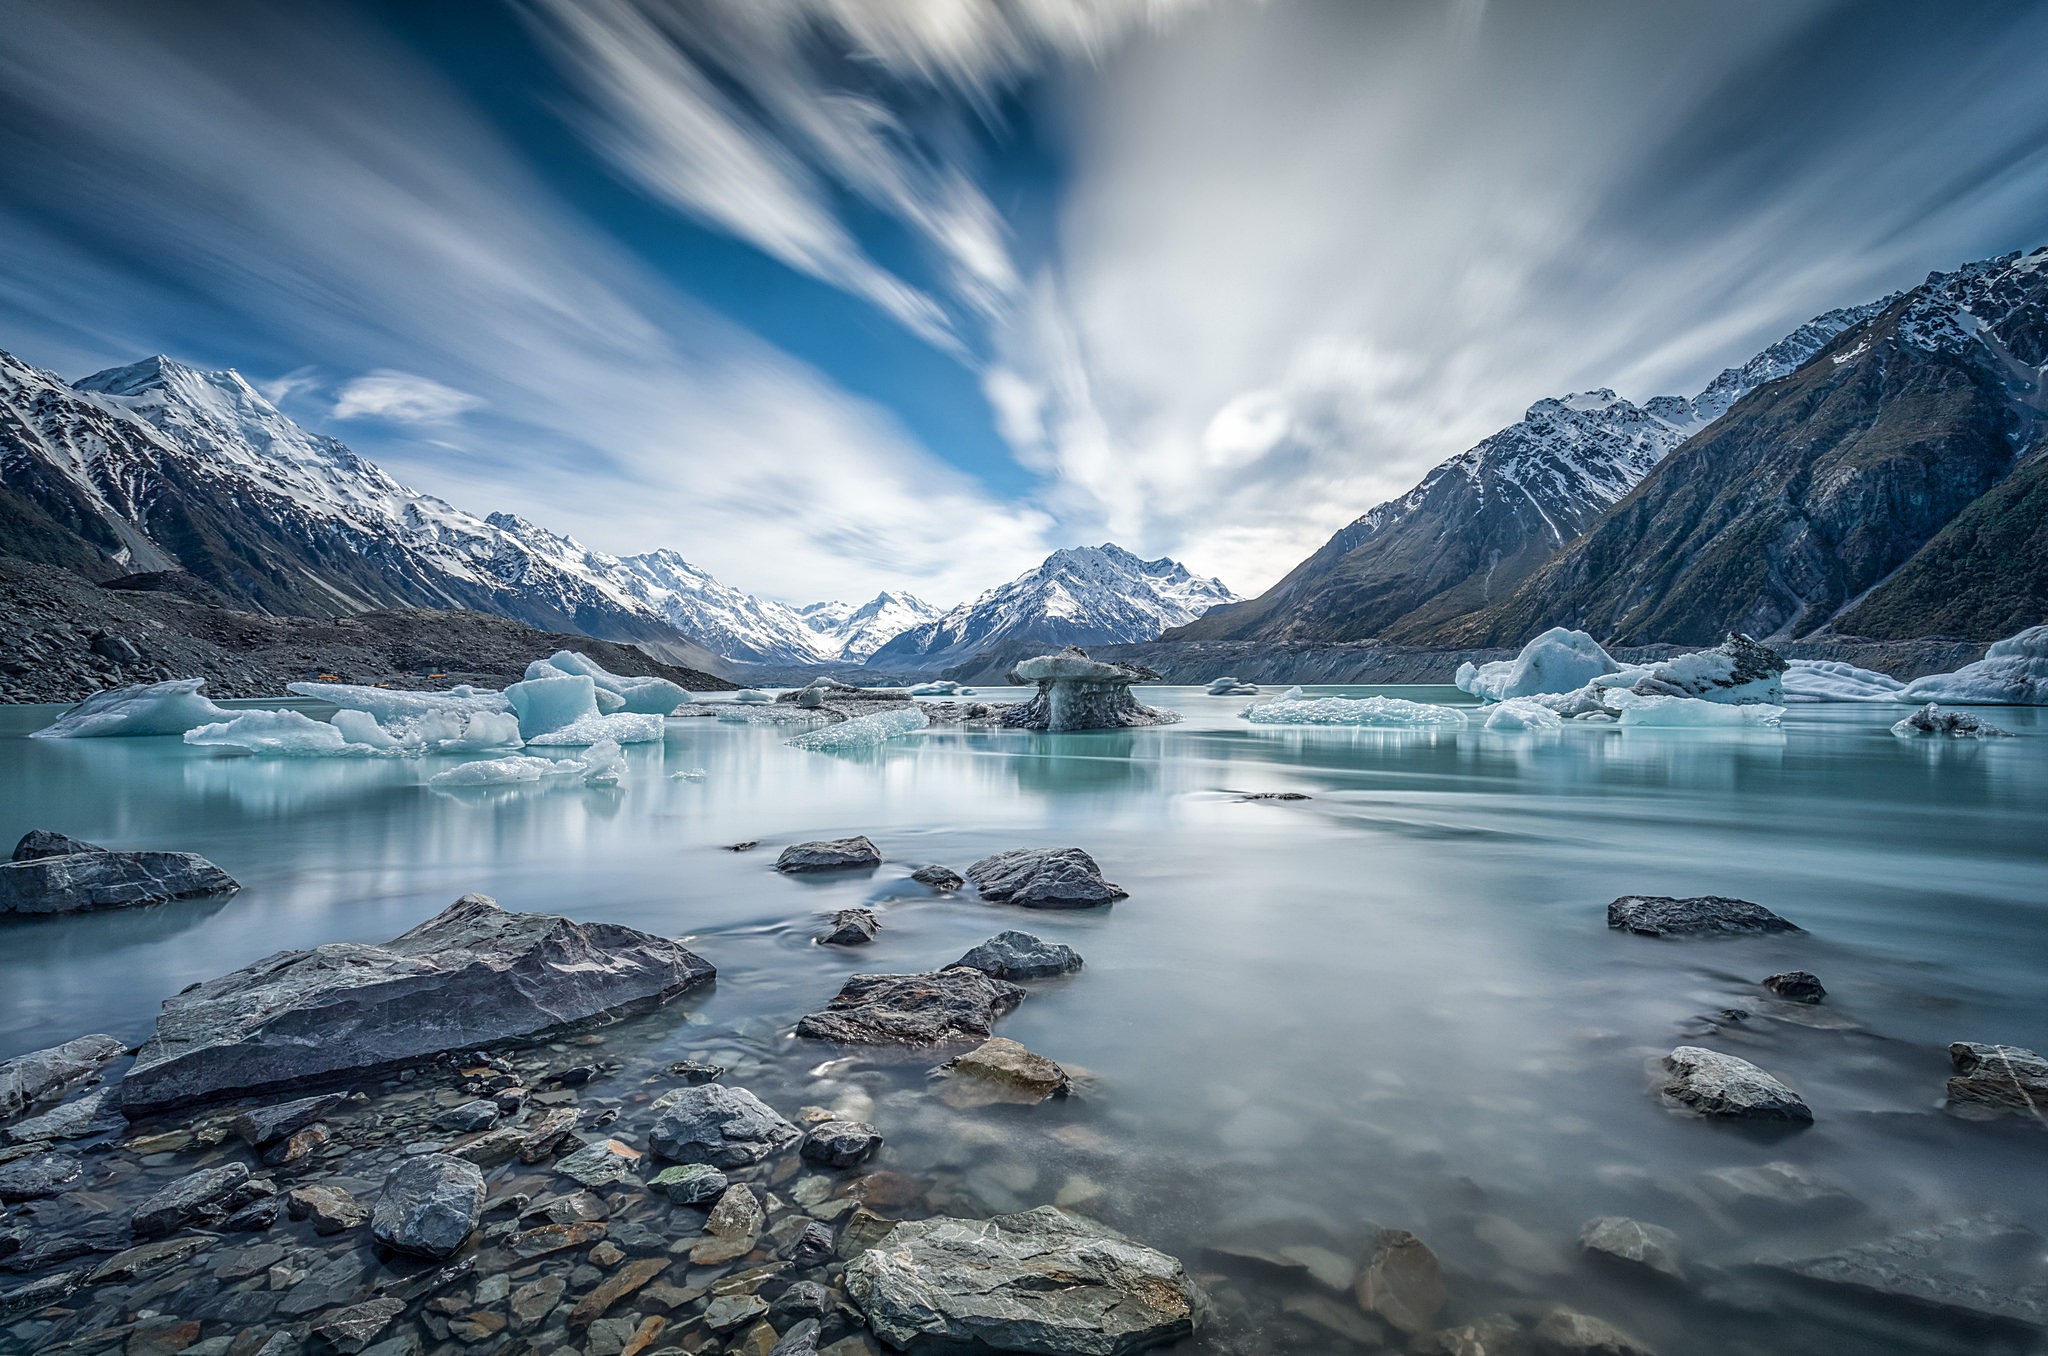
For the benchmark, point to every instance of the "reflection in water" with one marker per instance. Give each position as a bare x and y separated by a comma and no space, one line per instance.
1393,1003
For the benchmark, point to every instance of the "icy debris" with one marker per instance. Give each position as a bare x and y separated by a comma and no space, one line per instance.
288,733
862,732
1559,660
507,771
392,707
148,709
623,727
360,727
1228,686
2013,672
460,732
553,702
781,713
641,696
689,774
1663,712
943,687
1522,713
604,764
1294,709
1827,680
752,697
1932,720
1737,670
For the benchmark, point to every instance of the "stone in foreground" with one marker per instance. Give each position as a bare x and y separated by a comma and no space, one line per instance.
923,1009
1632,1242
1043,1281
1566,1332
689,1183
38,1175
1043,878
1796,986
1079,693
430,1206
37,844
723,1126
943,879
1001,1070
1714,1084
41,879
1663,916
829,854
850,927
1979,1268
1402,1281
841,1144
1019,955
473,976
1997,1080
195,1196
42,1074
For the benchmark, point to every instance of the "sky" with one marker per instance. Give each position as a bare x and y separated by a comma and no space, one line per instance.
840,295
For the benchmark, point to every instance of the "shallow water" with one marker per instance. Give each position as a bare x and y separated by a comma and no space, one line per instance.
1395,1003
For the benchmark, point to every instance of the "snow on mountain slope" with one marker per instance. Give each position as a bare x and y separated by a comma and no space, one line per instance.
1091,595
853,633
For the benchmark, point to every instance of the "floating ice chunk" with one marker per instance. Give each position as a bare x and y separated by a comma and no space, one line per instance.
1827,680
751,697
1682,712
642,696
147,709
287,733
507,771
623,727
360,727
689,774
1294,709
604,764
862,732
457,732
2013,672
552,703
1522,713
392,707
1231,687
943,687
1736,671
1559,660
1932,720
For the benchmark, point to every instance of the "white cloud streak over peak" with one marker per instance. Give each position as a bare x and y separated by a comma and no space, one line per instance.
398,398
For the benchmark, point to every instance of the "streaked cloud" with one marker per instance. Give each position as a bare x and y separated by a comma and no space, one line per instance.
401,398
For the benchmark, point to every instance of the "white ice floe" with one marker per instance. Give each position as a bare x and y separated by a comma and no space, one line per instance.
1522,713
1932,720
1293,708
1736,671
456,732
1559,660
752,697
2013,672
1828,680
689,774
553,702
394,708
360,727
604,764
641,696
862,732
508,771
1231,686
1663,712
148,709
623,727
943,687
287,733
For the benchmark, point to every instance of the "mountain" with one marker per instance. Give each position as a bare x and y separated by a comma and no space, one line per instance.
1894,486
853,633
1091,595
1484,521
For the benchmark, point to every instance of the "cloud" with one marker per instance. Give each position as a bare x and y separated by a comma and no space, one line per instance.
401,398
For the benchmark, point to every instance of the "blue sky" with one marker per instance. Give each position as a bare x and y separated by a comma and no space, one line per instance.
833,295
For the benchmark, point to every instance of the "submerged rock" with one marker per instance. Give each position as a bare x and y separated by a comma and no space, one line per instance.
1043,1281
850,927
1567,1332
1797,986
943,879
472,976
1491,1335
841,1144
1079,693
922,1009
690,1183
1402,1281
195,1196
1776,1192
42,1074
1998,1079
1714,1084
1019,955
1634,1243
1000,1070
1981,1268
723,1126
96,1111
39,1175
430,1206
1043,878
39,879
1663,916
829,854
1932,720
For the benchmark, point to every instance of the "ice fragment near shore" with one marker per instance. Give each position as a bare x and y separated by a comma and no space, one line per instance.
148,709
640,696
392,707
507,771
2013,672
1520,713
1292,708
287,733
862,732
622,728
1691,712
1827,680
1559,660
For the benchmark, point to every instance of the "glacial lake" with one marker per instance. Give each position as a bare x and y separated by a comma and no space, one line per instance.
1396,1003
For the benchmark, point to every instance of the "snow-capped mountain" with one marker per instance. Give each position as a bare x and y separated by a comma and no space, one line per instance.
1485,520
852,633
1089,595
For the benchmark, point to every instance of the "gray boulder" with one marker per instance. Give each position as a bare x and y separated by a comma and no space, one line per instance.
690,1183
850,927
1079,693
723,1126
1043,878
260,1127
1998,1080
34,1176
37,844
1633,1243
472,976
1567,1332
1932,720
840,1144
1980,1268
943,879
89,1114
1019,955
1043,1281
197,1195
1796,986
42,1074
75,882
1714,1084
922,1009
430,1206
1663,916
829,854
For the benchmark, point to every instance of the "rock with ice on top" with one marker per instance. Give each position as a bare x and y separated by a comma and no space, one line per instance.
1228,686
862,732
147,709
1736,671
393,707
1828,680
1559,660
2013,672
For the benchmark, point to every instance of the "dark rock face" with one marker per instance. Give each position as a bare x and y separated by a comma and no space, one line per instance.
471,976
841,1144
1663,916
1043,1281
75,882
1998,1079
40,1074
263,1126
1043,878
1718,1085
850,927
829,854
430,1206
195,1196
1981,1268
944,879
690,1183
39,1175
723,1126
1019,955
923,1009
37,844
1797,986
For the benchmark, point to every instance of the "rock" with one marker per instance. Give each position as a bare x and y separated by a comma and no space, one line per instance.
1000,1070
803,1300
38,1175
840,1144
943,879
37,844
266,1125
331,1209
1714,1084
543,1134
1796,986
352,1329
604,1162
536,1299
1566,1332
1932,720
1330,1269
734,1226
253,1217
1402,1281
696,1071
144,1258
800,1340
1041,1281
1776,1192
850,927
96,1111
430,1206
493,1147
1019,955
1079,693
829,854
922,1009
1635,1243
473,976
468,1118
80,881
1998,1079
733,1311
298,1146
689,1183
1663,916
1043,878
551,1238
1345,1321
723,1126
41,1074
1492,1335
812,1246
1982,1267
196,1195
616,1287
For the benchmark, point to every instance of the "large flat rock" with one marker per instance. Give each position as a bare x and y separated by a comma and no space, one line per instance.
922,1009
77,882
1704,915
1979,1267
471,976
42,1074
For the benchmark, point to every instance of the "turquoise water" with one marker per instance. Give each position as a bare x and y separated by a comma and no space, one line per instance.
1395,1003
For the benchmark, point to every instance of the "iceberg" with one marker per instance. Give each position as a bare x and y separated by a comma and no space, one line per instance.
288,733
1826,680
623,727
1736,671
604,764
553,702
454,732
944,687
1665,712
641,696
1559,660
147,709
1292,708
507,771
1932,720
752,697
2013,672
1228,686
1522,713
360,727
862,732
393,707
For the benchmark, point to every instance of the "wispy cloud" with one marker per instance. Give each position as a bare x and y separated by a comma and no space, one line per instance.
401,398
